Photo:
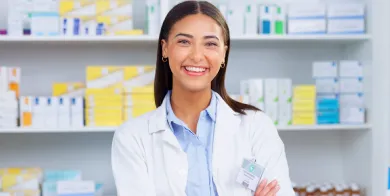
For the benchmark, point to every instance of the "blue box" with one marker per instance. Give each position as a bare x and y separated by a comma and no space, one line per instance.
327,104
328,117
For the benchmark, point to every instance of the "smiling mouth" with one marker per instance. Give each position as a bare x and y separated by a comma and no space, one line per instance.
195,69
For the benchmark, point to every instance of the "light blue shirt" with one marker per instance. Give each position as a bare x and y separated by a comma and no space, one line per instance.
199,148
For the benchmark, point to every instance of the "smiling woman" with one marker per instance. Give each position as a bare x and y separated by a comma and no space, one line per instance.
199,141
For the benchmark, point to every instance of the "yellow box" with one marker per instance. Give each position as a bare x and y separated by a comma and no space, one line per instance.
305,92
17,170
77,7
304,105
24,192
105,111
104,124
139,99
139,76
29,181
104,76
114,7
138,110
69,89
149,89
112,91
103,104
304,118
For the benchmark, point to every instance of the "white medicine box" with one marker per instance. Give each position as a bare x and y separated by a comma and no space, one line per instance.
351,69
306,18
325,69
352,115
351,85
327,85
346,18
271,90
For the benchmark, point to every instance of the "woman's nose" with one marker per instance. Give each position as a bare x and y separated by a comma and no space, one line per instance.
197,54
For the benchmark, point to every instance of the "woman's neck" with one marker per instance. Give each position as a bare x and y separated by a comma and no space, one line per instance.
187,105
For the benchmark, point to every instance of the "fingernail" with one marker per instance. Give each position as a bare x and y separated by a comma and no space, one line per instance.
277,187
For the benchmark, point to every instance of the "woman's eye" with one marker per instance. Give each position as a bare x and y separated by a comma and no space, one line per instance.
183,41
211,44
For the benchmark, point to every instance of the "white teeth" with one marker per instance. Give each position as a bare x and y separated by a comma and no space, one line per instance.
195,69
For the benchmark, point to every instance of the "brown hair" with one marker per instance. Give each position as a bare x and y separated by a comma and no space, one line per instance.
163,77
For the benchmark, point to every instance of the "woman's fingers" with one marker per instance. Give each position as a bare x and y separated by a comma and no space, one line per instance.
264,190
273,191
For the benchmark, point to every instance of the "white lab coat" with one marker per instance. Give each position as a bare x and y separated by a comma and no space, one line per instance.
147,159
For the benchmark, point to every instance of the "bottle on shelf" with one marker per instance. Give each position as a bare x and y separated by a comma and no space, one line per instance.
339,190
347,190
355,190
311,191
324,191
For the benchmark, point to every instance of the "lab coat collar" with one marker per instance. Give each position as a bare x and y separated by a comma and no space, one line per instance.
158,122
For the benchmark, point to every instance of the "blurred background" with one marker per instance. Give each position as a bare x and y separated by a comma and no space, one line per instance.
71,71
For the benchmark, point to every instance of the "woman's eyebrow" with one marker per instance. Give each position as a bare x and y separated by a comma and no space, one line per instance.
185,35
211,37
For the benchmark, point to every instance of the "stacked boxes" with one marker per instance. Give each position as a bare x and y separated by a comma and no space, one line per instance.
45,18
308,18
285,102
97,17
271,99
304,110
351,93
21,181
327,86
138,100
118,93
18,17
9,93
69,89
346,18
45,112
104,107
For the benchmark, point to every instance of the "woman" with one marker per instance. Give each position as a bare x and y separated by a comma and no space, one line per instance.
197,139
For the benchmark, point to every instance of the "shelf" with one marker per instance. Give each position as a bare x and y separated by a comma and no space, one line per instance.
325,128
153,39
111,129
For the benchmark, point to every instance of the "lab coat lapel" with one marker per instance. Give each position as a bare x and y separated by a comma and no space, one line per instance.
175,159
226,127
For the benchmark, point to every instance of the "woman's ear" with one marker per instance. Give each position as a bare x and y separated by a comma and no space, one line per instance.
164,48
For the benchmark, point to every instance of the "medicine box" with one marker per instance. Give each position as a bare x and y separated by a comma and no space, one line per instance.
351,85
328,117
351,69
244,87
272,109
152,18
104,76
325,69
64,113
137,110
139,75
307,18
266,19
306,105
352,100
284,91
77,7
346,18
70,89
304,118
250,19
51,119
327,104
148,98
24,181
256,93
352,115
77,112
39,111
327,96
12,79
235,18
279,16
285,114
71,187
45,24
26,110
327,85
271,91
304,92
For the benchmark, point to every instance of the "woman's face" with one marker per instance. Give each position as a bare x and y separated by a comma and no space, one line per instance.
195,49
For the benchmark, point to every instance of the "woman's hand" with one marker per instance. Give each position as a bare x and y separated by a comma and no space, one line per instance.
265,189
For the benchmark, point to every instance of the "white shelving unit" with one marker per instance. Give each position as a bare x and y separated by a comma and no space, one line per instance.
365,127
337,153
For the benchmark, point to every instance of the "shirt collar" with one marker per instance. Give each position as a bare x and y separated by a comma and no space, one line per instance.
210,110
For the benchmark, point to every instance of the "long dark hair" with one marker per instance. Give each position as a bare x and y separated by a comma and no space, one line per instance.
163,77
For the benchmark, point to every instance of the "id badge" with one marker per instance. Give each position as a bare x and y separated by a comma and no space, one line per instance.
250,174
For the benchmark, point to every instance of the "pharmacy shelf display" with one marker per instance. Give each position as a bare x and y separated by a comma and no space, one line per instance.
327,153
365,127
147,38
